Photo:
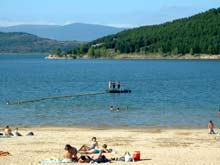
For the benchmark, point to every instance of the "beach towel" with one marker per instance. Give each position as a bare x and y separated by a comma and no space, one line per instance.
56,161
6,136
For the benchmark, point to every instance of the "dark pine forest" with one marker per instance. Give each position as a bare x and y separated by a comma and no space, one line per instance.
198,34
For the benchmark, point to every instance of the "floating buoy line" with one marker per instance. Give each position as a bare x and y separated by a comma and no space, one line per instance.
111,89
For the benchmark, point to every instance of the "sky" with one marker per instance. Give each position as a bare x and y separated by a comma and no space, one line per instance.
119,13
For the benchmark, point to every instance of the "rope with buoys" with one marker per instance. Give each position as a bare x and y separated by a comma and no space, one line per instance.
54,97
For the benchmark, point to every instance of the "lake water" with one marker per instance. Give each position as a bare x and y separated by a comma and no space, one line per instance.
165,93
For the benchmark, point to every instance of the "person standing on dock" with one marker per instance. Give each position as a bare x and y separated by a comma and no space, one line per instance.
119,85
110,85
113,85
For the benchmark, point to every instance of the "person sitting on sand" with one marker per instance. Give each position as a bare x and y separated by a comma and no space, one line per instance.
70,153
94,145
16,133
104,149
211,127
7,131
96,151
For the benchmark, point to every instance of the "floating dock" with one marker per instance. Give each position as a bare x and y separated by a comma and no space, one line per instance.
119,91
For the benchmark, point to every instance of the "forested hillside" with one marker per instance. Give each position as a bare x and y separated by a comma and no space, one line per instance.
199,34
26,43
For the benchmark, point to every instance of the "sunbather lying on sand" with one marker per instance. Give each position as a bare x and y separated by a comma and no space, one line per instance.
84,159
95,151
8,132
101,158
2,153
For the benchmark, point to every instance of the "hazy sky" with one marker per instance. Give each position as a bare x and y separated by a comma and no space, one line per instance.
126,13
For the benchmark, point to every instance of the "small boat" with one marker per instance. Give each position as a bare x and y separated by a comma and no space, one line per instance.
119,91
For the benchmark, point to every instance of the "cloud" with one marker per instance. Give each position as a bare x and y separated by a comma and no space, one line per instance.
122,25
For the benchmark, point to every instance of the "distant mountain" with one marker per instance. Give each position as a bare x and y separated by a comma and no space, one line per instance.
71,32
17,42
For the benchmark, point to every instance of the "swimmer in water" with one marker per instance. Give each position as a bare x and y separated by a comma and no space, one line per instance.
118,109
111,108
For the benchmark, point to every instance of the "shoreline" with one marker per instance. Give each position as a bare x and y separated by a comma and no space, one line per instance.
104,127
142,57
123,57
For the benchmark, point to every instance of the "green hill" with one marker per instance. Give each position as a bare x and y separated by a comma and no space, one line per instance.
25,43
198,34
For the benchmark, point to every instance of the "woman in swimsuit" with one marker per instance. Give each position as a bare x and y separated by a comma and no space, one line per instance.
94,145
96,151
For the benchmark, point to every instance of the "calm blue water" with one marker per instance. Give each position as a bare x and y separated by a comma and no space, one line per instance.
165,93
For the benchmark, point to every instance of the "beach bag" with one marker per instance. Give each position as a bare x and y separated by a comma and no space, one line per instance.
128,157
121,159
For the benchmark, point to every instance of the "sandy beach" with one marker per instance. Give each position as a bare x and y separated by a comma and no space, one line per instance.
157,146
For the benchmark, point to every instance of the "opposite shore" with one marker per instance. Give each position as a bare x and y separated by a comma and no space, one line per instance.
157,145
137,56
